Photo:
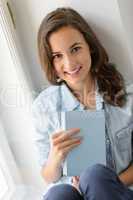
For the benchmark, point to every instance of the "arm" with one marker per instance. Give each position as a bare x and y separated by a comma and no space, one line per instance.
52,150
43,124
127,176
51,172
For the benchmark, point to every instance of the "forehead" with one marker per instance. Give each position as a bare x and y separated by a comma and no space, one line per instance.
64,38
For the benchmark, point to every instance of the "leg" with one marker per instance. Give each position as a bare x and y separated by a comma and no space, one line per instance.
63,192
100,182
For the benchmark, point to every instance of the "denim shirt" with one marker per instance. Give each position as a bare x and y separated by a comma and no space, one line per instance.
119,125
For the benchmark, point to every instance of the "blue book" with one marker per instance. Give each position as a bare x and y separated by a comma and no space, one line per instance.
92,149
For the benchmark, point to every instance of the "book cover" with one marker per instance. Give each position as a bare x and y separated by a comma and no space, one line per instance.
92,149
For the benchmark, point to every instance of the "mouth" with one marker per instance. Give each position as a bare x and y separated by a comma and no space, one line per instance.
74,72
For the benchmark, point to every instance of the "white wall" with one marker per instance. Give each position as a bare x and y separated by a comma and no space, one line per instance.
126,11
106,18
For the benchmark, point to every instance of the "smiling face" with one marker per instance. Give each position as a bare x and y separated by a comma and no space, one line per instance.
71,56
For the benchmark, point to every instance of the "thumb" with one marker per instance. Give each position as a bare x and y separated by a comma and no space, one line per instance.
77,178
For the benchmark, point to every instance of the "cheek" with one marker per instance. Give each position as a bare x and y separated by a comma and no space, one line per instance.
57,70
57,66
85,57
88,59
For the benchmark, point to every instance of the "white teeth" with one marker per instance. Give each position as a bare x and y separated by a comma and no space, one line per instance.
74,71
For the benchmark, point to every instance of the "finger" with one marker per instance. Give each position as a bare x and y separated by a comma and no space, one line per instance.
77,178
66,134
69,132
67,149
74,178
57,134
75,181
68,142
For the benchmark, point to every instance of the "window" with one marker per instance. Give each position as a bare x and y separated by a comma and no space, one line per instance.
3,184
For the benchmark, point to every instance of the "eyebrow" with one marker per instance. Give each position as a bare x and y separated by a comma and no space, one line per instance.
76,43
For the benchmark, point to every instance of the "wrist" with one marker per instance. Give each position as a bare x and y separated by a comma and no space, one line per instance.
52,162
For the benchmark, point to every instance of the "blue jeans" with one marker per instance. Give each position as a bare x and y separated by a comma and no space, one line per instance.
97,182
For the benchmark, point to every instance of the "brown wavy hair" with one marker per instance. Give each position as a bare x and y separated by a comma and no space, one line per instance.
110,81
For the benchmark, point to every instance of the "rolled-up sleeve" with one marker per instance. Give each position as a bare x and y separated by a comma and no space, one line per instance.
42,132
46,123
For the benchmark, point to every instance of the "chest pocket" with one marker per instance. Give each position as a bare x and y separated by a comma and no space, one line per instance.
124,138
124,143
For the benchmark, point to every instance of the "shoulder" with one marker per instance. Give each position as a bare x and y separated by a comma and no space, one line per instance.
127,109
48,99
128,106
129,88
129,94
120,117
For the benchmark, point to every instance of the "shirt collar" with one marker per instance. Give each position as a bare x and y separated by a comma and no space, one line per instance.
99,99
68,100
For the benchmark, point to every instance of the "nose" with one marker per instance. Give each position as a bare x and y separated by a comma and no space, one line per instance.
69,63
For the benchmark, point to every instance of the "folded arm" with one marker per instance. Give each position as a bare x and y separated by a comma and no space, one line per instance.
127,176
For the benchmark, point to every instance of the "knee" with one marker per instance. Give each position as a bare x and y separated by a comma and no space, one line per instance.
95,174
61,191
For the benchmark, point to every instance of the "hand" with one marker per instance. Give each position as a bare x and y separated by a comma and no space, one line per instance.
75,182
61,143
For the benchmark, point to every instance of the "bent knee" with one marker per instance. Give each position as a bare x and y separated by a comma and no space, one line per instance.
95,173
61,191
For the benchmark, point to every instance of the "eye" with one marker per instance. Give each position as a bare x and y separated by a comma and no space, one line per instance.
75,49
57,56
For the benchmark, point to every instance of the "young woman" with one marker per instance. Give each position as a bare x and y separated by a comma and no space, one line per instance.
81,77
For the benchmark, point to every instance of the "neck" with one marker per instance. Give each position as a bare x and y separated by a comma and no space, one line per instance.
82,89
